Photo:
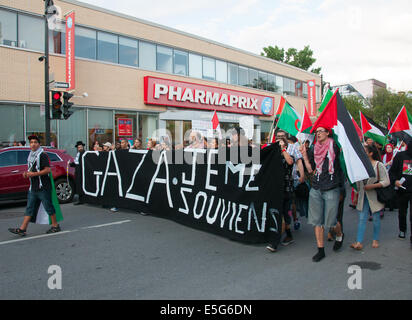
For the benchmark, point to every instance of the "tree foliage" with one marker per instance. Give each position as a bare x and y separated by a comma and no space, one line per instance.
302,59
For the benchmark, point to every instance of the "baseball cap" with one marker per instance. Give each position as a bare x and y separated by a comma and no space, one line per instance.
107,144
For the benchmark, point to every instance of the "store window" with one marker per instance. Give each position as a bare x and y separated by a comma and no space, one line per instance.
164,59
271,83
243,76
253,78
147,55
265,128
148,124
181,62
209,68
128,51
262,80
100,126
126,126
177,129
31,32
232,73
35,124
73,130
107,49
289,86
11,125
305,90
8,28
298,89
195,65
85,43
221,71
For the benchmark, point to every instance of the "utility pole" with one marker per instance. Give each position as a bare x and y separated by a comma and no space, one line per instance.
47,4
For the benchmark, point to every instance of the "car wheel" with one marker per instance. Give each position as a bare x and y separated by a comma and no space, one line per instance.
64,190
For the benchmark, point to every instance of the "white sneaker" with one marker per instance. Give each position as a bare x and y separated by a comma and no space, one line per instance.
402,235
114,209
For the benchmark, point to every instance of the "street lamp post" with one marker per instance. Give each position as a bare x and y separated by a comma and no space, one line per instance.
47,3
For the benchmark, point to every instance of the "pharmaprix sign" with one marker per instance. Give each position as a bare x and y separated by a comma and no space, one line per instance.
165,92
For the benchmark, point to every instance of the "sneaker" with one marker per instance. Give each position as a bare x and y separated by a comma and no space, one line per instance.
114,209
54,229
287,241
144,213
18,231
271,248
338,244
318,256
402,235
296,225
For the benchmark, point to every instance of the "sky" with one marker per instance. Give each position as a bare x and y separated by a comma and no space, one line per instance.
351,40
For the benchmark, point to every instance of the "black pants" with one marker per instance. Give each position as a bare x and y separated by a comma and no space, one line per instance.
403,200
275,238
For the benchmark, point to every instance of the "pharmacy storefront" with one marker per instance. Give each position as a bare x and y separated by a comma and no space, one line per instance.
189,105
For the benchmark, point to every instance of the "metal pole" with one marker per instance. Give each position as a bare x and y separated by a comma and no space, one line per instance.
46,75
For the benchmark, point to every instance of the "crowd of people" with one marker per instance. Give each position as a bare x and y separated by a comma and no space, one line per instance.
314,184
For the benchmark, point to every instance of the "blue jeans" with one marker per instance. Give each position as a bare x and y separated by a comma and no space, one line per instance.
34,198
363,218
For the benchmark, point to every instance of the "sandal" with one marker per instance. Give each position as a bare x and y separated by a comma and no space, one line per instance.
375,244
18,231
54,229
356,246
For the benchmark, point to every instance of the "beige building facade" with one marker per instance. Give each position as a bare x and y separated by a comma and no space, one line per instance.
114,54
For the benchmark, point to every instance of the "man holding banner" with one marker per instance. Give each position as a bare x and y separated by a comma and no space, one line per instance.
41,188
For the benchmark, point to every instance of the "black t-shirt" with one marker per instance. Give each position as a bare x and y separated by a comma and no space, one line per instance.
45,180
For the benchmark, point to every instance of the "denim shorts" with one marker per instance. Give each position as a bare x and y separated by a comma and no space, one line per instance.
34,198
323,207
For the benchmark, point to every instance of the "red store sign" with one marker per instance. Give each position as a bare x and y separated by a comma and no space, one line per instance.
164,92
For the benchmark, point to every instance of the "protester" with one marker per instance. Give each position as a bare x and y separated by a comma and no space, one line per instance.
40,188
367,199
401,176
22,143
214,143
137,145
388,156
369,141
97,146
287,161
107,146
77,173
124,144
151,144
323,161
117,146
195,140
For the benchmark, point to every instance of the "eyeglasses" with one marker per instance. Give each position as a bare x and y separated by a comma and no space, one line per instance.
320,131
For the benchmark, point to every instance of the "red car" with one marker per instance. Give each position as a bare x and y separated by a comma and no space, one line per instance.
13,162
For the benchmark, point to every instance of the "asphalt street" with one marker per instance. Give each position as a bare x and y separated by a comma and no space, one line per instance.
125,255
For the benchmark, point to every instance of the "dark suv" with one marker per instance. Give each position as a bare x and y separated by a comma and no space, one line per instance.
13,162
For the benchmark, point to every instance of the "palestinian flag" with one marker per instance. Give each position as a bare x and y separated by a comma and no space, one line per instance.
289,120
358,130
372,130
354,161
402,126
42,217
326,99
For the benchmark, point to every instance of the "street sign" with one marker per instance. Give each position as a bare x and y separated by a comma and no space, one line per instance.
59,85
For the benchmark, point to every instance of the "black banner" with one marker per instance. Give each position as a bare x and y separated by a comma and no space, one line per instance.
201,188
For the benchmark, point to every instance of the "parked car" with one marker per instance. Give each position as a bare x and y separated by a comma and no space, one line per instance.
13,162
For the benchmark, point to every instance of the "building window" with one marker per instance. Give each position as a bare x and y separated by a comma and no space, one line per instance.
243,76
279,84
128,51
181,61
289,86
262,80
11,125
73,130
233,73
148,124
147,55
164,59
221,71
35,124
305,90
298,88
57,41
195,66
8,28
253,78
209,68
85,43
271,83
107,49
31,32
100,126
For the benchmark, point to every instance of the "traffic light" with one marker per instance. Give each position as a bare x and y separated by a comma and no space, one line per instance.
56,105
67,105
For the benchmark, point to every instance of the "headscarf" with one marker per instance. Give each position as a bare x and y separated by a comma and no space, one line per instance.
388,155
320,153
